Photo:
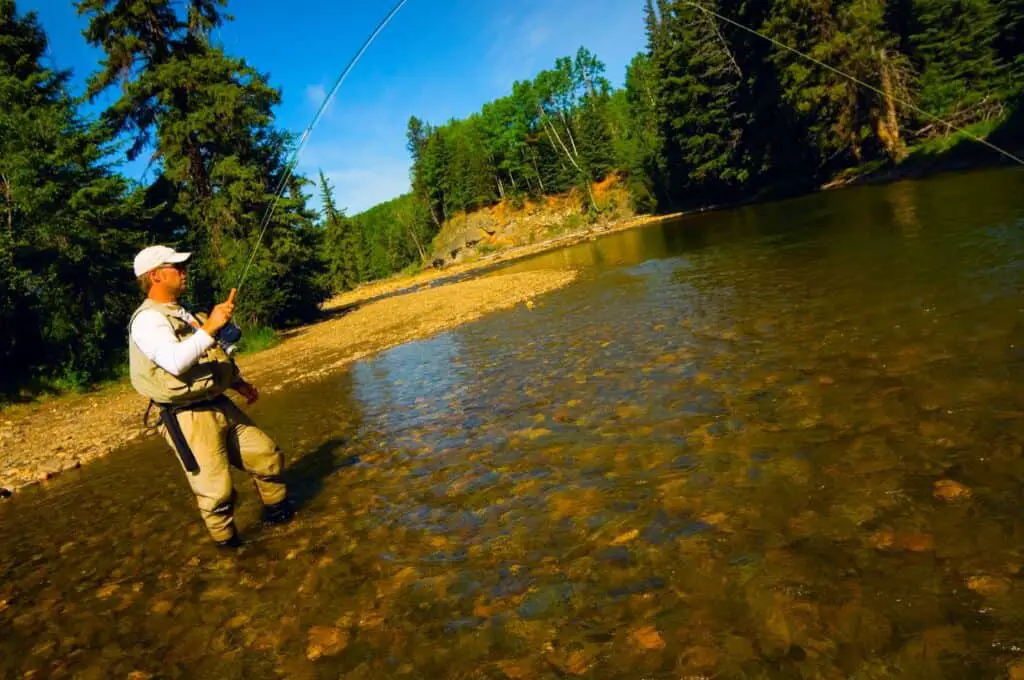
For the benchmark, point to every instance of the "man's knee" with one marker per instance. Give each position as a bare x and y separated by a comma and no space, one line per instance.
266,462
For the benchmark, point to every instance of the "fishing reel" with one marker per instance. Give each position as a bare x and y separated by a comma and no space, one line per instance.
227,337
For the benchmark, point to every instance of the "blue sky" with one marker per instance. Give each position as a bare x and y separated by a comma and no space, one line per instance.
436,60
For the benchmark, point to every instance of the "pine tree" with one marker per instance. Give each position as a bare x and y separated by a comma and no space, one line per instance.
208,119
701,126
838,117
68,225
341,243
953,44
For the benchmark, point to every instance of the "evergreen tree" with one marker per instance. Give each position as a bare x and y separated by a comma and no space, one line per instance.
67,225
701,124
953,45
342,247
208,119
837,117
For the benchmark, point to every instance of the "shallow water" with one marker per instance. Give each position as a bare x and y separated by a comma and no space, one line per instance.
783,441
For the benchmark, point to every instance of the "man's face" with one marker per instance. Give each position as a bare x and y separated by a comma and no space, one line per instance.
173,278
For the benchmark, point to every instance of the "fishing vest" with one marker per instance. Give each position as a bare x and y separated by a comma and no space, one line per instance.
214,373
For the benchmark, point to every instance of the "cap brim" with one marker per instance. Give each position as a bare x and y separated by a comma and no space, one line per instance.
177,258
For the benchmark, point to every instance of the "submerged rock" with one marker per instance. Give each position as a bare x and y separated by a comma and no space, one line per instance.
648,638
989,586
325,641
950,491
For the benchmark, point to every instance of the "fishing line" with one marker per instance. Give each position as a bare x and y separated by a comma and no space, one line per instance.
856,80
293,161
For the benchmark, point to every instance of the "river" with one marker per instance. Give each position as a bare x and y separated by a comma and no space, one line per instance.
782,441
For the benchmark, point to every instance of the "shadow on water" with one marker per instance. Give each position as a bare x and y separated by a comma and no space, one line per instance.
305,478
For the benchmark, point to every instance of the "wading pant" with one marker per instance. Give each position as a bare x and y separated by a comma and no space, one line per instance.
221,435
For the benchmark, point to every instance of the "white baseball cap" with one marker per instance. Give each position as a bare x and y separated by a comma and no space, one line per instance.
152,257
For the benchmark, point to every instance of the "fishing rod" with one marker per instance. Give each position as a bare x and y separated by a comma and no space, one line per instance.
293,161
290,167
856,80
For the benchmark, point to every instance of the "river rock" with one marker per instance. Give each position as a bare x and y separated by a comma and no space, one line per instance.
648,638
325,641
950,491
5,493
576,662
989,586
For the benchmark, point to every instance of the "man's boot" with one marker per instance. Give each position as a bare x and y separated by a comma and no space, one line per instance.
279,513
233,542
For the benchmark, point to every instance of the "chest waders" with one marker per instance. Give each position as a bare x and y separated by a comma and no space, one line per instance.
200,387
169,419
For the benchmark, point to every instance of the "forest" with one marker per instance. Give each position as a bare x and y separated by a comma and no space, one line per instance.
709,113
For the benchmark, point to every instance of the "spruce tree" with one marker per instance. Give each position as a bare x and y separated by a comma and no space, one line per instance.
207,120
68,225
341,242
953,43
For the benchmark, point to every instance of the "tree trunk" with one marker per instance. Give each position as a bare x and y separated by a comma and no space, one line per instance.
889,127
412,234
576,165
501,187
568,133
540,180
9,202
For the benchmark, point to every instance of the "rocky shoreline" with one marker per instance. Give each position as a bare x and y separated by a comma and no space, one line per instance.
39,441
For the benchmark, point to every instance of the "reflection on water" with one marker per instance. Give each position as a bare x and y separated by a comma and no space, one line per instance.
782,441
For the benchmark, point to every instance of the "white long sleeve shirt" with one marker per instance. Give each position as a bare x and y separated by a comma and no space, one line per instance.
152,334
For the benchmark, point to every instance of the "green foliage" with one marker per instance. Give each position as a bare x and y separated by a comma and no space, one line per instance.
393,236
342,243
258,339
67,226
709,113
208,119
739,117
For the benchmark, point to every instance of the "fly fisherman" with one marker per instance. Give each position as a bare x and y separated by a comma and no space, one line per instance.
177,363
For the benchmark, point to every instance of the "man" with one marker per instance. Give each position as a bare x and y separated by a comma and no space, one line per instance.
176,362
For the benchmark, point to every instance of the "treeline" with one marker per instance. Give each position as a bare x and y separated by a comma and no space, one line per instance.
70,225
712,113
708,113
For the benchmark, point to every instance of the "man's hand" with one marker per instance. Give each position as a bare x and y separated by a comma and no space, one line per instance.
220,315
247,390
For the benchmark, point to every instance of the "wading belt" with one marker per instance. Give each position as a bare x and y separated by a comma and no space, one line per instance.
169,418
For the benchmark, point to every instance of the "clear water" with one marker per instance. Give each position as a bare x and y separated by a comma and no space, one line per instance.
727,451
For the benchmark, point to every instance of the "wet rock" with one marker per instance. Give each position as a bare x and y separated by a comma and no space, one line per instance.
106,591
139,675
1016,671
700,658
521,669
951,491
575,662
5,493
989,586
544,602
238,621
325,641
912,542
626,537
648,638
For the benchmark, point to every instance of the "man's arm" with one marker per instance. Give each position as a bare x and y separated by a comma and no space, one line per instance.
152,333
